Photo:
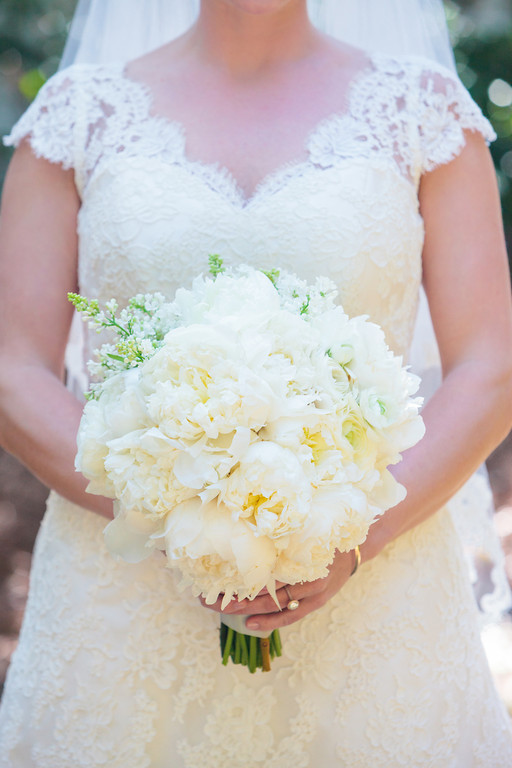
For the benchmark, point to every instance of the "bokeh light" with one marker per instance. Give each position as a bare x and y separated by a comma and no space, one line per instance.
500,93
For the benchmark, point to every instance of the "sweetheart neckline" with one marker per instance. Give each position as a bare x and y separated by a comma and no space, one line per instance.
221,178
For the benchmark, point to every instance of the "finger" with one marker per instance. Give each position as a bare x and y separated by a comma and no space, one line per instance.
217,605
278,585
263,604
267,622
212,606
266,603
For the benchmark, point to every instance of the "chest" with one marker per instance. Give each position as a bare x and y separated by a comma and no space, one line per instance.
149,226
254,141
344,206
247,126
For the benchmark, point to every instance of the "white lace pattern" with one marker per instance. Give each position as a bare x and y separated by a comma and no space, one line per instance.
116,666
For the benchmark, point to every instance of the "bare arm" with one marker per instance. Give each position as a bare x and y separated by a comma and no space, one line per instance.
468,285
466,278
39,418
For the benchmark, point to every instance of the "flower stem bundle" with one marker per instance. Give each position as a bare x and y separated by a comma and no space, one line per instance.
253,652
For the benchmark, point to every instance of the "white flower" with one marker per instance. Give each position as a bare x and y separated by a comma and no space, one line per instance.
131,535
120,410
216,552
251,437
140,467
268,489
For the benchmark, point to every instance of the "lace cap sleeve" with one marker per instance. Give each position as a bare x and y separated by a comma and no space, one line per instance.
50,123
445,111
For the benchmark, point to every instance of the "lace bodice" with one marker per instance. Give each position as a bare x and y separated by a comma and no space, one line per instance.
348,208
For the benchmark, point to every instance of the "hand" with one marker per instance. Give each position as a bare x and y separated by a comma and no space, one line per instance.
263,612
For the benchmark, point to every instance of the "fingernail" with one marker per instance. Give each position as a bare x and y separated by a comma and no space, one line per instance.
252,624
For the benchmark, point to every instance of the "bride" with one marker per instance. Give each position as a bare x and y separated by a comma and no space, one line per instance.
256,136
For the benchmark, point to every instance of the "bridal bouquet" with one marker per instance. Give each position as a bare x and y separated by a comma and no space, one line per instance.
245,428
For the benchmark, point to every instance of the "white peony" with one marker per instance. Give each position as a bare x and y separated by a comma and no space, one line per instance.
251,437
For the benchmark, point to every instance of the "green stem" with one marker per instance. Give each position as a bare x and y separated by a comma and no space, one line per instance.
246,649
228,644
223,633
253,642
112,324
244,656
277,642
238,649
259,659
272,646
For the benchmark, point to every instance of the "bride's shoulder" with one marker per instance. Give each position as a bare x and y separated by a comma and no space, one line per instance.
76,93
82,81
59,119
426,84
416,72
417,83
428,97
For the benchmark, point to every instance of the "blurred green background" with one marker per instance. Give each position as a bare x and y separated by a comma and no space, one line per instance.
32,35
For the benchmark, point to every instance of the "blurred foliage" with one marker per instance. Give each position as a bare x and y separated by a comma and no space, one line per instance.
487,65
33,32
32,36
484,64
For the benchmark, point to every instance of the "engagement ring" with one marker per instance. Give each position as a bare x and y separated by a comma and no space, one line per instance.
292,604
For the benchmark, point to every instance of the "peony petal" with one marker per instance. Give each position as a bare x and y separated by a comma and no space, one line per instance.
125,542
194,473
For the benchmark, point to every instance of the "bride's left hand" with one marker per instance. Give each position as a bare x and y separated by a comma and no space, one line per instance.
263,612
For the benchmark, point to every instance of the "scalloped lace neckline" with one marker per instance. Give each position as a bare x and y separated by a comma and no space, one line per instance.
217,176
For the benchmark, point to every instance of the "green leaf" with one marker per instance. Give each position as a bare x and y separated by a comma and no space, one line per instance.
215,264
273,276
30,83
305,307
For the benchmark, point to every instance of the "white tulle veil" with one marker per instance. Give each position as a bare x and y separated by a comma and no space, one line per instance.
118,30
105,31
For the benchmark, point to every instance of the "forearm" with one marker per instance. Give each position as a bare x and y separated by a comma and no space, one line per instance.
39,421
465,420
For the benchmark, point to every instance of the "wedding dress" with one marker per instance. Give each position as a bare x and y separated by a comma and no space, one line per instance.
115,666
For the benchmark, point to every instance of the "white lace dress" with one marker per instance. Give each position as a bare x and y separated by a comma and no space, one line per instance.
115,667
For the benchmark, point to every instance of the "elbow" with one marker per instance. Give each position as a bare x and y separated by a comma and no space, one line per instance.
6,381
5,378
8,367
501,388
17,386
484,382
509,403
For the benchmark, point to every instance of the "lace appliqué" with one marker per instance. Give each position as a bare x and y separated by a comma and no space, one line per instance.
409,111
252,740
116,666
108,113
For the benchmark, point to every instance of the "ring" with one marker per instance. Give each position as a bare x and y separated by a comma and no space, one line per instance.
292,604
357,562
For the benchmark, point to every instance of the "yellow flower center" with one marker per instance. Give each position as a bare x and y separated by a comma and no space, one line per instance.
255,501
317,443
